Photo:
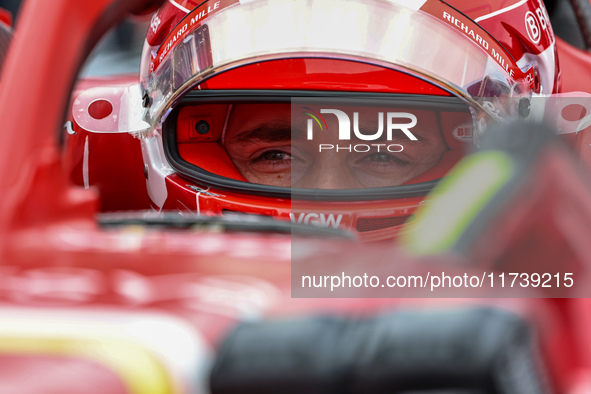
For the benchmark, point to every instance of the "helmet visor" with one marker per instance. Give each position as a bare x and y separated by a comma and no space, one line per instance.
330,142
378,32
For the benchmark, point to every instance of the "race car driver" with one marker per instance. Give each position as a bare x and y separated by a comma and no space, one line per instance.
274,107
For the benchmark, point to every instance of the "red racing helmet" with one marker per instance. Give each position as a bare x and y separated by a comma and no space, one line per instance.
270,107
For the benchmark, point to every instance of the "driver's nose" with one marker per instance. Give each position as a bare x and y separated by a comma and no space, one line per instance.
329,171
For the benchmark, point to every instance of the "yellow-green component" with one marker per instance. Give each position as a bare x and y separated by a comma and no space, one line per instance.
456,201
138,368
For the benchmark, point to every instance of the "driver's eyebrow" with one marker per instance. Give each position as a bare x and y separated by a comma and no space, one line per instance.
397,135
274,131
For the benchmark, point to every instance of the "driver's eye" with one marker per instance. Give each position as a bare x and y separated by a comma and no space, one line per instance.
381,157
385,159
275,155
